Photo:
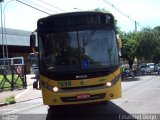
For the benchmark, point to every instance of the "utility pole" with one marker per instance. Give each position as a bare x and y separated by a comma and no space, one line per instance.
135,26
2,29
135,22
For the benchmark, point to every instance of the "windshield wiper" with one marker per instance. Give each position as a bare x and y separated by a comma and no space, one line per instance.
89,37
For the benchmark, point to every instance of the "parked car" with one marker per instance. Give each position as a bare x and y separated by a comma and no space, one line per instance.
157,68
151,65
145,69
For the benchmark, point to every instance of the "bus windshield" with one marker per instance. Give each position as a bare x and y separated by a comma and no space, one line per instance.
78,50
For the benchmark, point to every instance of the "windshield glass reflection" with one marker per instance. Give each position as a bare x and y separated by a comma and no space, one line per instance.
71,51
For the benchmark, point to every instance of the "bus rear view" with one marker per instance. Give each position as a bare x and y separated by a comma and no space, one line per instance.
78,58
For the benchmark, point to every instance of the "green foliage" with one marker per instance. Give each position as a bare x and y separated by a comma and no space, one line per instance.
101,10
156,32
149,45
7,85
130,45
10,100
144,45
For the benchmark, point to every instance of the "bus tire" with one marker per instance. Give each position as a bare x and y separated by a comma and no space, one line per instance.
55,108
35,85
104,102
51,106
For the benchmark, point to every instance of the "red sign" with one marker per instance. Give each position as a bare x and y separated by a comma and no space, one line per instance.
19,69
83,96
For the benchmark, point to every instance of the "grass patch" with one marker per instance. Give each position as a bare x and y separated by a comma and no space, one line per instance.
10,100
7,85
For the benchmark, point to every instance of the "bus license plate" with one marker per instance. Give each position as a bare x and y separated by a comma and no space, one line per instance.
83,96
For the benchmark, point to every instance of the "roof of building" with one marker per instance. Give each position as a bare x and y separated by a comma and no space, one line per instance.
14,37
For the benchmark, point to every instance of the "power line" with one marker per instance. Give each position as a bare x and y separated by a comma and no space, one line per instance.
33,7
52,5
3,28
124,14
112,5
40,6
4,23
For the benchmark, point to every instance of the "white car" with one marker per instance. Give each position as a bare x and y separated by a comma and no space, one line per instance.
151,65
145,69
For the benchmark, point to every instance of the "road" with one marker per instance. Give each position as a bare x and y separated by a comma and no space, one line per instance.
141,99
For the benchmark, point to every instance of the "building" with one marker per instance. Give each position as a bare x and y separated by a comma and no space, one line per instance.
16,43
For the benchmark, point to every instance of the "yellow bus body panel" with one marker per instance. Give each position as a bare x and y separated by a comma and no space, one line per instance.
52,98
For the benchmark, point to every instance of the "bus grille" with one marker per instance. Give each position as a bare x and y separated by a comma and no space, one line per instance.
75,99
84,88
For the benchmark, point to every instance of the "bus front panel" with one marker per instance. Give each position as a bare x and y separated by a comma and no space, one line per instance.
78,58
82,91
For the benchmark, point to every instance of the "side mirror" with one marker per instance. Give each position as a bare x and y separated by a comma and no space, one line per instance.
119,42
32,42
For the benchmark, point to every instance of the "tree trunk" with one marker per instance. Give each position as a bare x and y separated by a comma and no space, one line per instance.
130,62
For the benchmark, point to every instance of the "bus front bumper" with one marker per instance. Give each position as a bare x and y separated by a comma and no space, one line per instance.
81,96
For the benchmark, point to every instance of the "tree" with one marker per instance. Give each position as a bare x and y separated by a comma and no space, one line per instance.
147,45
101,10
156,32
130,44
144,45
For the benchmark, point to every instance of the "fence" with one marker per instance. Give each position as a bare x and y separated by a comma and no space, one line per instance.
12,77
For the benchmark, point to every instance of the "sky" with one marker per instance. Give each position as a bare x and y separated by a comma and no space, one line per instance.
144,12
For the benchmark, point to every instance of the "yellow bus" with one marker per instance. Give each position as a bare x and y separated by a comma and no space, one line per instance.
78,58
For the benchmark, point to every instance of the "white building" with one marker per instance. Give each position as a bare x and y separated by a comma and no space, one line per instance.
15,43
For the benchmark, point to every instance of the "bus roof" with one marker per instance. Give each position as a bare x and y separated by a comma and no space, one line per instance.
85,18
75,14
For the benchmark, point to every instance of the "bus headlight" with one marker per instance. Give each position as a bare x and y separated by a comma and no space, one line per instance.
113,81
108,84
51,88
55,89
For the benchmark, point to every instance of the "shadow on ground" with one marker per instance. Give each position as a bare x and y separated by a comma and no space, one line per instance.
129,79
88,112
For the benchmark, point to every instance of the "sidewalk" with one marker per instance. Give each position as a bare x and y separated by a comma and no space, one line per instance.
23,94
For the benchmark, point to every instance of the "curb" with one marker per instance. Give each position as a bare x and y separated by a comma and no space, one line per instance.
16,97
23,92
3,104
22,109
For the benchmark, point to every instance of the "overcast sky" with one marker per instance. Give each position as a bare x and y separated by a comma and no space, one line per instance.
145,12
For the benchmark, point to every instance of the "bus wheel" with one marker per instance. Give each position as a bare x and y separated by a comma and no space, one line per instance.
104,102
50,106
35,85
55,108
